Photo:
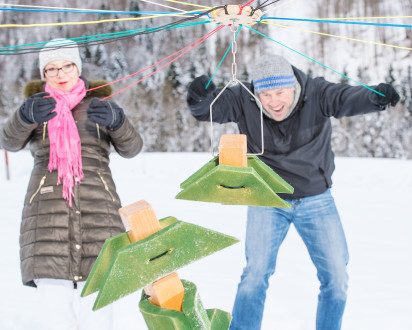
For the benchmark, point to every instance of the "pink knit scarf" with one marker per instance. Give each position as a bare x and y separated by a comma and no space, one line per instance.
65,145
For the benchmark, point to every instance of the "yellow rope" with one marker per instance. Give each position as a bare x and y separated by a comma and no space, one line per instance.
188,4
93,22
335,36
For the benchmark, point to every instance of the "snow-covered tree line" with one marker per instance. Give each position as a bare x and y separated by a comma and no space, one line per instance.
157,105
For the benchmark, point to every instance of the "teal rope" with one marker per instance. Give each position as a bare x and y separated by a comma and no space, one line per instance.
97,37
227,50
339,22
343,75
95,11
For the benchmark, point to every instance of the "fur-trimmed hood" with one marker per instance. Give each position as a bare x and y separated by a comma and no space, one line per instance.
37,86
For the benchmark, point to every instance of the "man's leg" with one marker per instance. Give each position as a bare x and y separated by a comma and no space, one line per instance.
265,232
317,222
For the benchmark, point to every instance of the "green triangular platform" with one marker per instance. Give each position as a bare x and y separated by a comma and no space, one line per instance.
123,268
257,184
192,317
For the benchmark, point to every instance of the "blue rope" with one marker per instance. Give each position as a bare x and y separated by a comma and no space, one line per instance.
339,22
96,37
94,11
227,50
343,75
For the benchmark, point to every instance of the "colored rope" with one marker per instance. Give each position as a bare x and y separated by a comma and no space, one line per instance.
227,50
277,7
85,39
339,22
93,22
266,4
246,4
100,11
107,40
198,42
140,71
189,4
79,11
336,36
343,75
158,4
382,17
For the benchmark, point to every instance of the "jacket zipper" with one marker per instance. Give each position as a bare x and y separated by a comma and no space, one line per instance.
105,186
98,130
38,189
44,130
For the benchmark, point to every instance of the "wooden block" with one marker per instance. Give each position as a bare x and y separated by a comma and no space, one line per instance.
140,220
168,292
232,150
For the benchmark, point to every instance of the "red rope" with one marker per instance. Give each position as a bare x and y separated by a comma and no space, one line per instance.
195,44
7,165
140,71
243,6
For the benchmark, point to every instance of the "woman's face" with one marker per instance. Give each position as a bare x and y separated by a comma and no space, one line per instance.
61,75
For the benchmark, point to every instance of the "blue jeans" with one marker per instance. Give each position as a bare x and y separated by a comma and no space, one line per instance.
317,221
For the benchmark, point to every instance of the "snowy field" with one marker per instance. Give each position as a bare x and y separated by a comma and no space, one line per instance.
373,197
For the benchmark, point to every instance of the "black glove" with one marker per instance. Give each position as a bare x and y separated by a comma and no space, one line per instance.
391,95
38,109
197,90
105,113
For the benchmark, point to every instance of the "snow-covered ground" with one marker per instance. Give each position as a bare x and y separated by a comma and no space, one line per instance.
373,196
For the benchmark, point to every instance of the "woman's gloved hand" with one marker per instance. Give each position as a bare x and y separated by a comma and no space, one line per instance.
106,113
38,109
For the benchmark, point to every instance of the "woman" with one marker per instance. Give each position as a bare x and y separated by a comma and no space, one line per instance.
71,205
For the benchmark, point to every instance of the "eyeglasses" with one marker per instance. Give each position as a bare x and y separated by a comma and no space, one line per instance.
53,72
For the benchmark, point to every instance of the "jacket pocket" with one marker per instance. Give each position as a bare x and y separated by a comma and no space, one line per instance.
106,187
43,179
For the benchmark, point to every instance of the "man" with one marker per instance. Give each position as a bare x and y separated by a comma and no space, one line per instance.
297,141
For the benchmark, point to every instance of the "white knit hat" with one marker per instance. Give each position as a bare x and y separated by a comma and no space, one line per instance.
59,50
272,72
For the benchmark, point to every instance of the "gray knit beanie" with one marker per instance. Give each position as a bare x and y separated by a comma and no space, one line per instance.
59,50
272,72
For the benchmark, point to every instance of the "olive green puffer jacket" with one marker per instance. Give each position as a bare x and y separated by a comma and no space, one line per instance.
58,241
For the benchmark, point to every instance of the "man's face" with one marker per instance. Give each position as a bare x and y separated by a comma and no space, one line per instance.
278,102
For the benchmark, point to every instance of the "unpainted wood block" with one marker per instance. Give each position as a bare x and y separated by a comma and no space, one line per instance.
232,150
140,220
167,292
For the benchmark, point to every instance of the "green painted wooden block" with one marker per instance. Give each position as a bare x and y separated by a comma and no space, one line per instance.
192,317
257,184
123,268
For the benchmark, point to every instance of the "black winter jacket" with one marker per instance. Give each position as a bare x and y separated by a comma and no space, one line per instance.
299,147
58,241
